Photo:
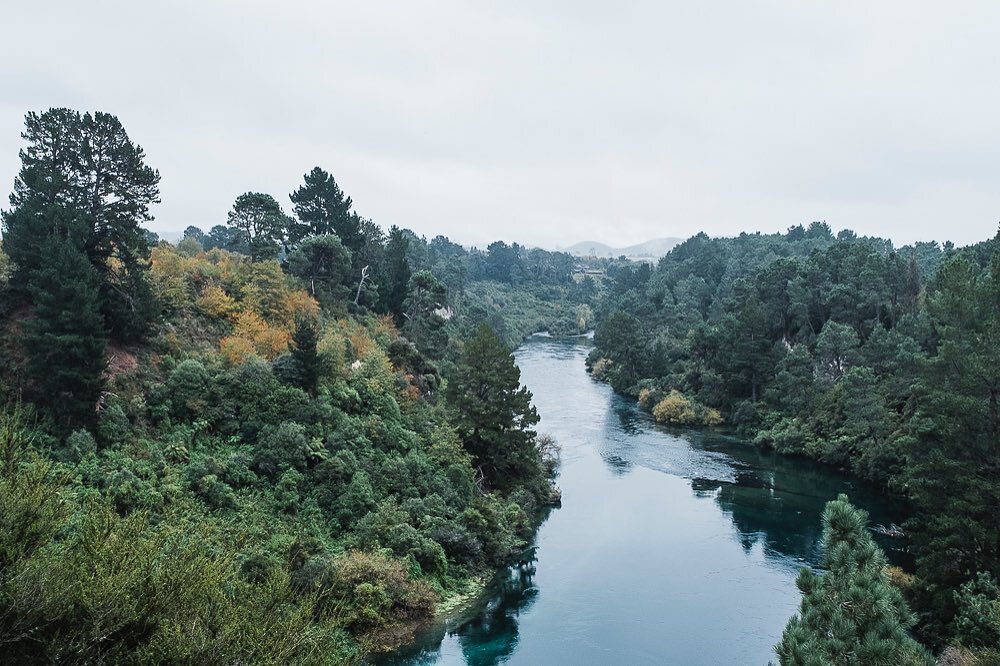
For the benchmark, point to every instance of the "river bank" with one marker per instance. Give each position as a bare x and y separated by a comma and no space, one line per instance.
672,546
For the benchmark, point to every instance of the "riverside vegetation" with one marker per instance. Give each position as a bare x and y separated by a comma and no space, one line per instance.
290,437
882,361
284,440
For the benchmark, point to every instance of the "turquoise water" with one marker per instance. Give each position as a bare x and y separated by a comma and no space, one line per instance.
671,547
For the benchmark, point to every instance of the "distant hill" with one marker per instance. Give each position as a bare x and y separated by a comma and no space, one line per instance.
651,250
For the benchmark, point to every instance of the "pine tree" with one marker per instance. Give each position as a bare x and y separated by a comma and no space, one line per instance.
850,615
953,470
323,208
494,413
307,359
424,326
398,270
324,264
82,177
261,224
65,337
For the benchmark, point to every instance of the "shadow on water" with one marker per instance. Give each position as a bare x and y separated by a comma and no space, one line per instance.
488,632
491,636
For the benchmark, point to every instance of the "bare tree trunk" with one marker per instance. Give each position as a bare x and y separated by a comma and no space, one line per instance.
361,283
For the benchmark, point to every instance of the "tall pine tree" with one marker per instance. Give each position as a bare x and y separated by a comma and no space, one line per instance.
953,474
398,273
323,208
85,164
494,414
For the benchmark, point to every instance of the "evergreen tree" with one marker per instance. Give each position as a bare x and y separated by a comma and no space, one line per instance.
324,265
323,208
850,615
953,473
221,236
398,273
371,277
621,339
86,165
196,233
494,414
261,223
65,338
305,355
424,324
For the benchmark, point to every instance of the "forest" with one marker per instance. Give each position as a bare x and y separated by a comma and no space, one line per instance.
291,437
878,360
284,440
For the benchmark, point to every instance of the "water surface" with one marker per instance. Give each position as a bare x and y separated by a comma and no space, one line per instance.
671,547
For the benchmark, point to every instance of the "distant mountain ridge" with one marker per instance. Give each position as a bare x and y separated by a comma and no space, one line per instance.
651,249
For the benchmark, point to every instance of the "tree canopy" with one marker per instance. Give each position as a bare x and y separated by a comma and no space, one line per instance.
493,412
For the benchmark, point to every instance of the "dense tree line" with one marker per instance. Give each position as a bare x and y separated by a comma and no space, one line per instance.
241,448
844,349
347,261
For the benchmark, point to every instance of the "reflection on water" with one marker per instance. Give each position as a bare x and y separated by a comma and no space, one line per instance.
492,635
672,546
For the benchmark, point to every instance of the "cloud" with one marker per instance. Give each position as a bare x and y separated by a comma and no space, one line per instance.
543,122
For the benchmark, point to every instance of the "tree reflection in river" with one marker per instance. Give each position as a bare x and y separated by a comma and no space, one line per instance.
775,501
492,636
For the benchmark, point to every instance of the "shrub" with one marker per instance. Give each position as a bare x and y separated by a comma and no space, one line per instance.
188,388
79,444
675,409
375,590
113,426
281,447
600,368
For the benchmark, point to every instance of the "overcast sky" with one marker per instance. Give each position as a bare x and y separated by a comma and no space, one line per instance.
542,122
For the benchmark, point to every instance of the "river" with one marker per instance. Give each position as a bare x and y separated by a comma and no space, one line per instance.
671,547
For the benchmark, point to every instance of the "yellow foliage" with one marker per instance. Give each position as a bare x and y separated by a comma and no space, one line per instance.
215,302
170,272
266,290
297,304
645,397
271,342
259,287
361,343
712,417
236,350
266,340
258,298
249,325
675,409
385,330
600,368
331,345
898,577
